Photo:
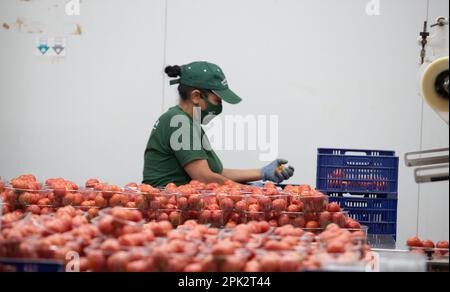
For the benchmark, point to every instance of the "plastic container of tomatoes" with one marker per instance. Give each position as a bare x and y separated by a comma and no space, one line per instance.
296,219
8,219
188,202
232,202
21,198
314,203
215,218
110,199
112,221
174,216
279,261
327,218
165,200
264,203
231,263
256,216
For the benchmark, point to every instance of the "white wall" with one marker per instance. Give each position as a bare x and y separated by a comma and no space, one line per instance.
335,76
89,114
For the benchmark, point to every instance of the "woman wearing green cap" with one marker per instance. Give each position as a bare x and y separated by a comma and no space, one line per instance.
178,150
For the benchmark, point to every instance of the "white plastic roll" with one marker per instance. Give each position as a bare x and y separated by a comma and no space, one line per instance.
435,70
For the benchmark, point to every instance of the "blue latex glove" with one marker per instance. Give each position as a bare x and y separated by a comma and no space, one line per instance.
277,172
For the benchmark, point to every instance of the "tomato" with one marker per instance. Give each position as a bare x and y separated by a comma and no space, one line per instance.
299,221
171,187
312,225
226,204
182,203
44,202
283,220
273,245
132,185
264,226
414,242
110,245
269,263
175,218
97,261
223,248
86,205
140,266
254,208
279,205
241,206
212,186
339,219
19,184
336,247
34,209
442,244
333,208
105,225
428,244
90,183
325,219
118,200
294,208
100,201
92,213
118,262
290,264
79,221
352,224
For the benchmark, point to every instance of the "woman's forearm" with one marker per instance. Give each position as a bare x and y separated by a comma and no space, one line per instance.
199,170
242,175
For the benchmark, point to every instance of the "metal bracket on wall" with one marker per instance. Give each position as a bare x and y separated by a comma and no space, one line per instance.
433,165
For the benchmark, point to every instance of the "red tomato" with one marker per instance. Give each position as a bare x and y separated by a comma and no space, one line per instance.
325,219
336,247
442,244
312,225
339,219
414,242
333,208
279,205
352,224
294,208
226,204
283,220
428,244
97,261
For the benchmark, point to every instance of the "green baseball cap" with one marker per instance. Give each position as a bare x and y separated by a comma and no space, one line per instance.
204,75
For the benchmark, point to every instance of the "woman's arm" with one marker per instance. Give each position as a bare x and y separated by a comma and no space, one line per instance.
242,176
199,170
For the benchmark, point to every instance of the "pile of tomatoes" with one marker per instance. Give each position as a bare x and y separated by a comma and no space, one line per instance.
118,240
427,247
193,228
221,206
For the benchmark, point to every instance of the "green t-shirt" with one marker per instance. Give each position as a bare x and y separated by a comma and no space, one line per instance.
175,142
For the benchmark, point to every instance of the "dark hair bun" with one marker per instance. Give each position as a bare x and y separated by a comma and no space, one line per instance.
173,71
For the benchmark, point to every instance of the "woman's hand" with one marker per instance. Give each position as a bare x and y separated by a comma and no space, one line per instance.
277,172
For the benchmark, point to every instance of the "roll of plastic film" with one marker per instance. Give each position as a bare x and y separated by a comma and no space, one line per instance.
433,89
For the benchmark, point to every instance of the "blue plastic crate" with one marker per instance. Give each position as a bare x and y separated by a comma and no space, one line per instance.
377,211
349,170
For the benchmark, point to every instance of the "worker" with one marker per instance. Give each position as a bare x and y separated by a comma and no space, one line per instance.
171,157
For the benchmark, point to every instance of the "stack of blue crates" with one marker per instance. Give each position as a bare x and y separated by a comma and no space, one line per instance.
364,183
